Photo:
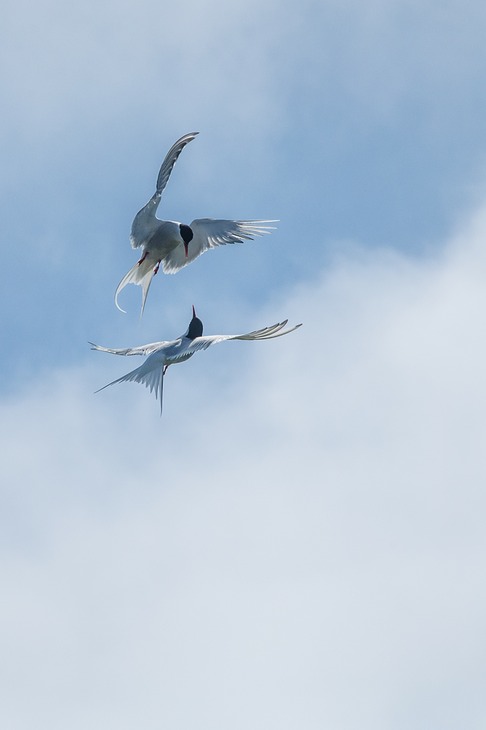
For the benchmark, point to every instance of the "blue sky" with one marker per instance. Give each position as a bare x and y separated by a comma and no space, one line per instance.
298,543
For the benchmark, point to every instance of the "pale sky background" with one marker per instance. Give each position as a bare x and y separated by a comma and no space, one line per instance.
299,542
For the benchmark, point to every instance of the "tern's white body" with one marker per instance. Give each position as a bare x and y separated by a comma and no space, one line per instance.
170,352
175,244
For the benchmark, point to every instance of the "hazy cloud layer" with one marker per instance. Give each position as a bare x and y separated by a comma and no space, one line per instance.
299,542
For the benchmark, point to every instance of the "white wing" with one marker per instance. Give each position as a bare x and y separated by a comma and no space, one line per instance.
142,350
211,232
267,333
171,159
145,221
150,374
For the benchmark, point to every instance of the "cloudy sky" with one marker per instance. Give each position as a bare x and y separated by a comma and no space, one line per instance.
299,542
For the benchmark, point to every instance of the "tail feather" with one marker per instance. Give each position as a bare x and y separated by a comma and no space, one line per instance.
141,274
153,379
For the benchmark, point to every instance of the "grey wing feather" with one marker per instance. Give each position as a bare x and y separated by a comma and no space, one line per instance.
211,232
269,333
170,160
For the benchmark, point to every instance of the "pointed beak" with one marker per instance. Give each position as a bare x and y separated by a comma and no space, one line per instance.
193,311
186,249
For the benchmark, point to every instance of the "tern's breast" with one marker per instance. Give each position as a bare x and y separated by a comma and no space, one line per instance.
164,239
177,352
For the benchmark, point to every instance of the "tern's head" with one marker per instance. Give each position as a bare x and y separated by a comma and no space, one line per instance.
195,328
187,236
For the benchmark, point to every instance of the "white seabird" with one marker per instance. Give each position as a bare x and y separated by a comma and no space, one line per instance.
175,244
162,354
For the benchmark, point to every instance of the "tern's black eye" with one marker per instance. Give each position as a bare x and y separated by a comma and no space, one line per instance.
186,233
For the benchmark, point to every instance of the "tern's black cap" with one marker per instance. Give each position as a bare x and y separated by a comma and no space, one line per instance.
195,326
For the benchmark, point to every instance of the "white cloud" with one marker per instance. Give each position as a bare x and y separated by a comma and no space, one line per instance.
297,543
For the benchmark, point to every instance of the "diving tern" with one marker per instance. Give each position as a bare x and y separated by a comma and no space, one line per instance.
175,244
162,354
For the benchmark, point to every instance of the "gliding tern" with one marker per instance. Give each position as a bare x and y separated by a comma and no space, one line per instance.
162,354
175,244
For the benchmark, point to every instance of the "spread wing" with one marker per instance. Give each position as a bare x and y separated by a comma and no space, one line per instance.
145,220
170,160
267,333
211,232
142,350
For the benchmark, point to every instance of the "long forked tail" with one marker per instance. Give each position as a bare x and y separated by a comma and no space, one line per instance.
153,379
141,274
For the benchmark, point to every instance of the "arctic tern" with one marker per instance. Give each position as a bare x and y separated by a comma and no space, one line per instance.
162,354
175,244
